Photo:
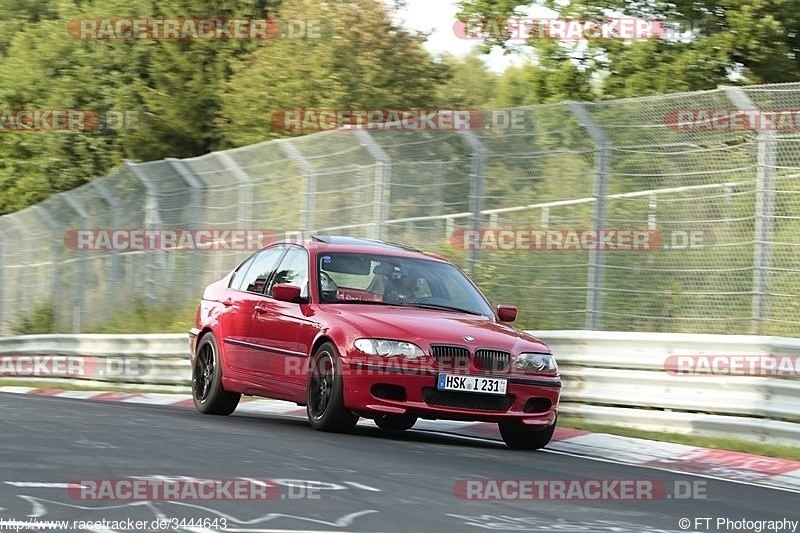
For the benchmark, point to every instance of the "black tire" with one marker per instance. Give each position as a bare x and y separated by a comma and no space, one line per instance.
207,392
517,436
395,422
325,405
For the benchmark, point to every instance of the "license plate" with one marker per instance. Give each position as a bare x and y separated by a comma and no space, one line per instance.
472,384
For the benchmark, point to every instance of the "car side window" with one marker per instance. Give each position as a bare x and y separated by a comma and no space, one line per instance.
238,275
261,269
293,270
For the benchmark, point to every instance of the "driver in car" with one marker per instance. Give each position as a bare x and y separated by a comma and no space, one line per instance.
399,286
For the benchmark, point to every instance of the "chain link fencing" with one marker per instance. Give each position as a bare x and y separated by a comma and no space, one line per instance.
720,199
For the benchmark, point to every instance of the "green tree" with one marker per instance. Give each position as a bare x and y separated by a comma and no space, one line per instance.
44,69
19,15
355,58
709,43
173,88
470,85
178,84
530,84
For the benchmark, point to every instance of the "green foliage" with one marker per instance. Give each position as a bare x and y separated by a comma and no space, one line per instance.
470,85
189,97
192,97
361,61
140,317
40,320
732,42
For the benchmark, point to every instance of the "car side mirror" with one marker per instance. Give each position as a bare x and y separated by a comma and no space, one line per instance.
507,313
286,292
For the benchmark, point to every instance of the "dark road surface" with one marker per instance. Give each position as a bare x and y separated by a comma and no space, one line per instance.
366,481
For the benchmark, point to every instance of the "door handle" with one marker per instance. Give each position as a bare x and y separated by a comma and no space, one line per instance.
228,302
260,310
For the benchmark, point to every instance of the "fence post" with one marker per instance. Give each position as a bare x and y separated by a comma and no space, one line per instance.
23,296
58,250
595,277
307,212
114,271
764,213
245,188
382,191
152,219
476,196
439,181
78,310
196,200
194,182
3,277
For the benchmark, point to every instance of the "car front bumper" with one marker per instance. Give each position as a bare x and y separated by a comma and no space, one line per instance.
370,390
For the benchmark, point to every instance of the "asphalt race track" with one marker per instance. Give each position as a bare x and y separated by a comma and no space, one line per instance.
368,481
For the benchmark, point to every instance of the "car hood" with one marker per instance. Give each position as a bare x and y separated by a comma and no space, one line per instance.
427,326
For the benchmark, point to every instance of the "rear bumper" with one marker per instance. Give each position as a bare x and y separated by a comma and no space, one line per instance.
369,391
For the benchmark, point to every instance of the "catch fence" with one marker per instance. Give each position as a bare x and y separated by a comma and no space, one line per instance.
718,200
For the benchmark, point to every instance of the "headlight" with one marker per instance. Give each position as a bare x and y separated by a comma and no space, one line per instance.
389,348
537,362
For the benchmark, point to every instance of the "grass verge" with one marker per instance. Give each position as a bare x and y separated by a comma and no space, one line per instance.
734,445
143,319
71,385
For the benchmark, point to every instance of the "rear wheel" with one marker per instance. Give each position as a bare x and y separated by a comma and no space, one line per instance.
518,436
395,422
207,392
325,405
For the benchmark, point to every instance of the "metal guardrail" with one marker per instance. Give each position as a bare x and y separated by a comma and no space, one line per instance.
159,362
614,378
621,378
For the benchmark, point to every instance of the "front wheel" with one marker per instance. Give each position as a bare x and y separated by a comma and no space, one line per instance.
395,422
518,436
325,405
207,392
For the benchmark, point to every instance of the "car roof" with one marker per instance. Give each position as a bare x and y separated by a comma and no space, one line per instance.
336,243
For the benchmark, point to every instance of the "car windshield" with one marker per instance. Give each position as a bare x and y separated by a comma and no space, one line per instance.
388,280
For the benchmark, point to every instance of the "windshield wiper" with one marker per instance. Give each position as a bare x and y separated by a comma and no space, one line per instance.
365,302
408,304
444,308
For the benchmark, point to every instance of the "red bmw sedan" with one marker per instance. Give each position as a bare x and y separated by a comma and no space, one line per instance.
355,328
